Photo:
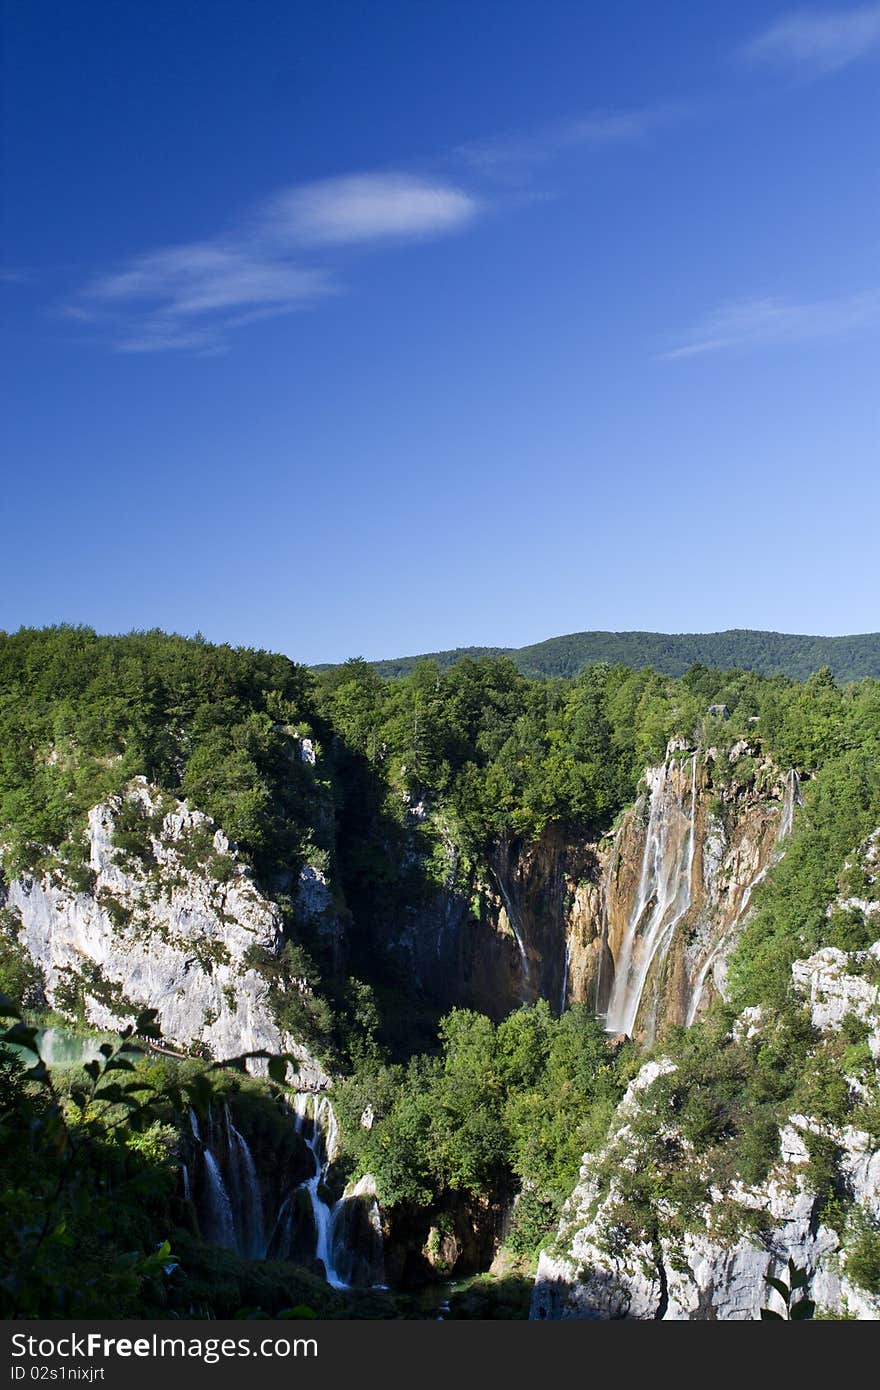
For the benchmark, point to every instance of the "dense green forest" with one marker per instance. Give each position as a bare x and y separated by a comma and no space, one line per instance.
461,1105
768,653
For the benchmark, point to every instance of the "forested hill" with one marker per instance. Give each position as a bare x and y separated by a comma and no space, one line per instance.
672,654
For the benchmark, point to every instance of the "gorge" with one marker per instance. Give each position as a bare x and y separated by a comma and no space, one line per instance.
612,896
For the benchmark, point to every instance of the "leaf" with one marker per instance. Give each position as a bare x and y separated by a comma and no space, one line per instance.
804,1309
779,1286
22,1035
106,1049
278,1069
799,1277
8,1008
119,1064
92,1069
146,1024
768,1315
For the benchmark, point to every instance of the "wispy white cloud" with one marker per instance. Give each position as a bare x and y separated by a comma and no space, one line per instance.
755,323
516,155
816,42
368,207
192,296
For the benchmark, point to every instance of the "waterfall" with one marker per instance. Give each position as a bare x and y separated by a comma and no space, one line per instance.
220,1216
563,997
791,799
184,1174
603,935
233,1207
664,893
349,1233
511,917
319,1130
246,1187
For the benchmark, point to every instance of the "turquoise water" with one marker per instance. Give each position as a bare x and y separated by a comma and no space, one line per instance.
61,1050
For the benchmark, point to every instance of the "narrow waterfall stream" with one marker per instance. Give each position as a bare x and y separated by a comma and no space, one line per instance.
664,892
514,927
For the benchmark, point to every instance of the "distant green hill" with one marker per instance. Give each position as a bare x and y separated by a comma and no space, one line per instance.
770,653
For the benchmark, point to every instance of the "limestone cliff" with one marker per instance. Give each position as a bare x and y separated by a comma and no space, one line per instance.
170,926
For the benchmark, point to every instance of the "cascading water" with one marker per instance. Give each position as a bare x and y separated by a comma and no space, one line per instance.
664,892
220,1222
232,1207
246,1191
563,997
316,1123
791,799
347,1235
514,927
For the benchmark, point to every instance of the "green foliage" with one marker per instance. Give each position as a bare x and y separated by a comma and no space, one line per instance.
796,1309
21,979
80,715
842,807
863,1252
501,1106
88,1215
769,653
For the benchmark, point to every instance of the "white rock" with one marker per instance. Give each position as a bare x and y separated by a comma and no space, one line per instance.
177,944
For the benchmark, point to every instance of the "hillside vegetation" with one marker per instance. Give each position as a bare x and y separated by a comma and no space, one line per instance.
768,653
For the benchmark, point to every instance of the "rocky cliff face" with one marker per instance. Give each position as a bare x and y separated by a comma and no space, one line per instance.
709,1268
638,926
170,926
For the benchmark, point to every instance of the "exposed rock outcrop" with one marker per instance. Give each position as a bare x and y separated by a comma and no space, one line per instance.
171,927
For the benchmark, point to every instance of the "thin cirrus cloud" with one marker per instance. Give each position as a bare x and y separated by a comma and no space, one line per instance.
192,296
813,43
757,323
515,156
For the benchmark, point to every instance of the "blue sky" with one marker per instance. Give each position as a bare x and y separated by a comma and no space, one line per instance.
351,328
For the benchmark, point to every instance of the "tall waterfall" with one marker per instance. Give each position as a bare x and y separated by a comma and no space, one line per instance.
563,996
664,891
514,927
